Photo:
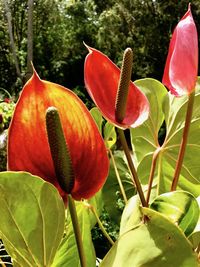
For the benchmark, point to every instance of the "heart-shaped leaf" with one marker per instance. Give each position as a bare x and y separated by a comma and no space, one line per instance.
32,218
145,139
180,207
158,242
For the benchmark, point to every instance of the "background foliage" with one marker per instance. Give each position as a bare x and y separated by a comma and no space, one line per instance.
60,27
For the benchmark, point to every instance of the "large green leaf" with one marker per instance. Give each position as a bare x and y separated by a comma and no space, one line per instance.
158,242
195,236
180,207
67,254
111,191
32,218
145,139
131,215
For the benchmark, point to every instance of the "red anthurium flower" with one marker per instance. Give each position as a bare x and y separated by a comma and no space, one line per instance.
28,147
180,74
101,80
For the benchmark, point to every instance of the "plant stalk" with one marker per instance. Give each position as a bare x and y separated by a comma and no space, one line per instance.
151,175
100,223
183,141
2,263
118,178
77,231
132,168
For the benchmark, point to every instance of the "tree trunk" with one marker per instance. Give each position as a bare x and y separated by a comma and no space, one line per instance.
12,42
30,40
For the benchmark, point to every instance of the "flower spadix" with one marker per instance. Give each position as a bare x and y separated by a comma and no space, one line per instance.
102,78
180,74
28,147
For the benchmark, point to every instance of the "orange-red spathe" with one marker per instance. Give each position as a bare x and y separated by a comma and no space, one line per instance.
101,80
28,148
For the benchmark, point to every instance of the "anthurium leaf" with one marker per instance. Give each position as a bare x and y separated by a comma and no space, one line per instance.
158,242
67,254
96,114
109,134
32,218
111,191
145,139
180,207
195,236
131,216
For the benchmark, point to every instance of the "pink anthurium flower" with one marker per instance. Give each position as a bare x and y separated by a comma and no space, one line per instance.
28,148
180,74
101,80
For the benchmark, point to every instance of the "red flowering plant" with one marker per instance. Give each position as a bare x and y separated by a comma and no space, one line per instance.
56,153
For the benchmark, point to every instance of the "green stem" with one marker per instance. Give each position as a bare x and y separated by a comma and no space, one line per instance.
100,223
183,141
118,178
151,175
132,168
77,231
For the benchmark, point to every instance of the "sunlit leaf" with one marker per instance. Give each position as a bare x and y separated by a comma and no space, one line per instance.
180,207
158,242
32,218
145,139
195,236
131,215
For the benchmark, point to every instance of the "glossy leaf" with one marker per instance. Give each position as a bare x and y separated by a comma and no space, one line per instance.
195,236
145,137
132,215
158,242
145,140
32,218
180,207
67,254
181,78
101,80
28,147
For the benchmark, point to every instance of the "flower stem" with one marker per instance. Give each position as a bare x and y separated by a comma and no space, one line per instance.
118,178
132,167
151,175
100,223
77,231
183,141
